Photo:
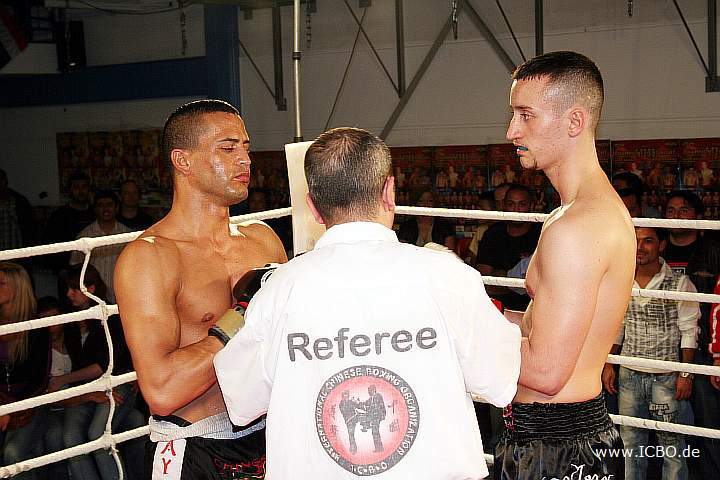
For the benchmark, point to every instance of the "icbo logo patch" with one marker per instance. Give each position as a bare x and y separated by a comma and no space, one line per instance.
367,419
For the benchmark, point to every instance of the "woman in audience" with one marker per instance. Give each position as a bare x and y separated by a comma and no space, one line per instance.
23,366
85,417
60,364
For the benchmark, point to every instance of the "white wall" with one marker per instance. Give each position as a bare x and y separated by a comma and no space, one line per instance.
655,85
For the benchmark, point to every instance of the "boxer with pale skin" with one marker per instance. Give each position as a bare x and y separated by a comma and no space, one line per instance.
580,277
175,282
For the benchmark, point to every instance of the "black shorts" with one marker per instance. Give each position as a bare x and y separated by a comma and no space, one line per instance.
559,440
198,458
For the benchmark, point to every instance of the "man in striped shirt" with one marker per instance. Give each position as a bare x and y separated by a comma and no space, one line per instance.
661,330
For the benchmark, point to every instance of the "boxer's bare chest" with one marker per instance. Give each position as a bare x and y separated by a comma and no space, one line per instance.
206,277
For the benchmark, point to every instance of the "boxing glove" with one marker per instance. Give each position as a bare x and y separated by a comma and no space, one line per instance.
234,318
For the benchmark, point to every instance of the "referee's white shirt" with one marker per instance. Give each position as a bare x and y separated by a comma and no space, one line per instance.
363,309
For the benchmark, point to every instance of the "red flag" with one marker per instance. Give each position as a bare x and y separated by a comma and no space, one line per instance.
12,37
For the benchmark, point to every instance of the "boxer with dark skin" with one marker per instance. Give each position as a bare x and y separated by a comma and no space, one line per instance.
581,275
175,281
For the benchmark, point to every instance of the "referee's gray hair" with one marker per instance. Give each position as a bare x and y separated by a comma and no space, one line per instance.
346,169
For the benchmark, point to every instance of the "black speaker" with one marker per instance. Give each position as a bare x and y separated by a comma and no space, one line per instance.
70,41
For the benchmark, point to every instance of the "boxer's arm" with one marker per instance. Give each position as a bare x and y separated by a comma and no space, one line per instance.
169,376
571,264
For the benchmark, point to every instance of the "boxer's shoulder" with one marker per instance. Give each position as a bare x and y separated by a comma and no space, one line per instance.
153,243
251,229
565,226
151,248
148,262
260,238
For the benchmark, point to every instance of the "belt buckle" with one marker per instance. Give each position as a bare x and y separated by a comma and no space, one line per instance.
508,418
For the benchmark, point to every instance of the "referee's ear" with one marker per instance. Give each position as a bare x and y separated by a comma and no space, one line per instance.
313,209
388,194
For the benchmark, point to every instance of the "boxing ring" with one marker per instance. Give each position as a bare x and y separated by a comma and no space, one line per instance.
109,440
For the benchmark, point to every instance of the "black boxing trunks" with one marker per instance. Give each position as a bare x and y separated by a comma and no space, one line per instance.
559,441
236,454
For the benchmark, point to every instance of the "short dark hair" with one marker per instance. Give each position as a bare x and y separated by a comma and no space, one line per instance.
77,176
48,303
489,196
690,198
101,194
346,169
575,76
181,130
418,195
632,180
662,233
631,192
517,187
92,277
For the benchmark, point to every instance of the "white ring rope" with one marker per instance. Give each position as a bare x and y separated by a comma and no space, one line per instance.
86,244
102,311
106,442
101,384
91,313
636,292
665,426
266,215
541,217
663,365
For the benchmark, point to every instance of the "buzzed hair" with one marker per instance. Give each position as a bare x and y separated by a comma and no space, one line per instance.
575,78
518,187
661,233
181,128
346,169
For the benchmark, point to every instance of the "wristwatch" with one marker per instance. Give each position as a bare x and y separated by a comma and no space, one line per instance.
687,375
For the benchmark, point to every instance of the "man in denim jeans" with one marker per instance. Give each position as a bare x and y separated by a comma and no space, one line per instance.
661,330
